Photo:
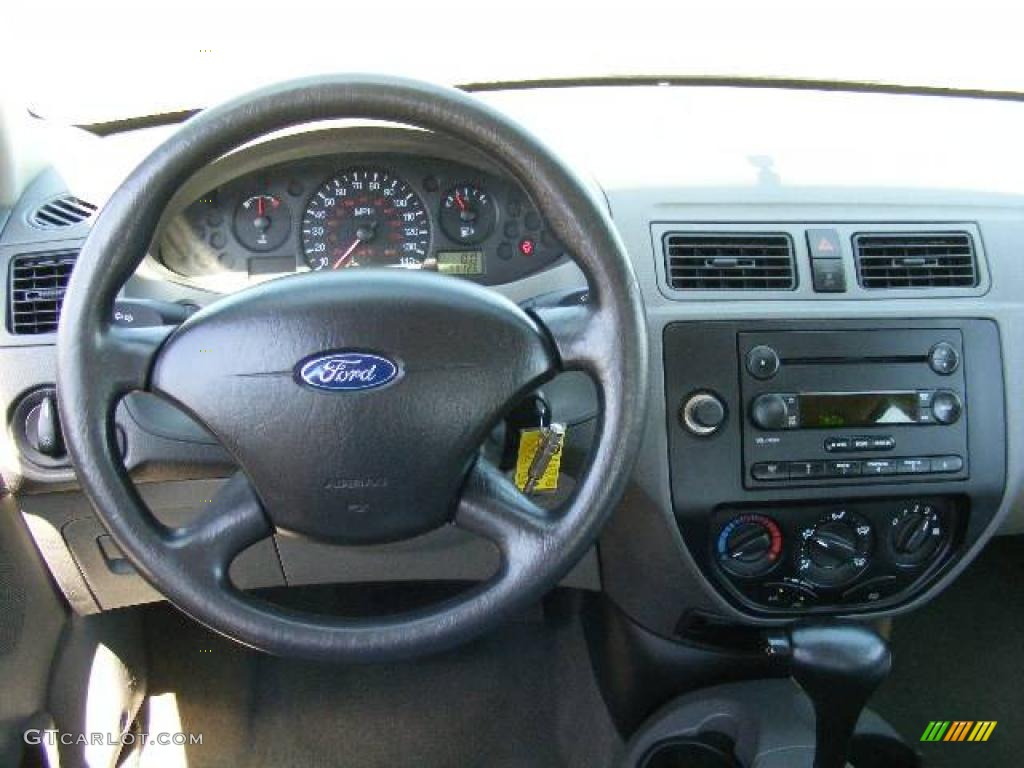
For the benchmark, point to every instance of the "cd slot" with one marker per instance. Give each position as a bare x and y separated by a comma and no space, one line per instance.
849,360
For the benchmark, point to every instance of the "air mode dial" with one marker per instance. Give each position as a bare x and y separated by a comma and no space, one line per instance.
836,549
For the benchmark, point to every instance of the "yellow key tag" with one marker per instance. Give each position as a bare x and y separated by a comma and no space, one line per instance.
539,459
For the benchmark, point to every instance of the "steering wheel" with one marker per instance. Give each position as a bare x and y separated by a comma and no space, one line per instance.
354,403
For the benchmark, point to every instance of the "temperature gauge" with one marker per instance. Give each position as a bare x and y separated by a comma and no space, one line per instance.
468,214
262,222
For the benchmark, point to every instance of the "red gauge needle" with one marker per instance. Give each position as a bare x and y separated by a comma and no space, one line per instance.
259,206
345,256
460,202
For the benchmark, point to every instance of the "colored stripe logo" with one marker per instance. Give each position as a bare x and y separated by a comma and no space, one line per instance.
959,730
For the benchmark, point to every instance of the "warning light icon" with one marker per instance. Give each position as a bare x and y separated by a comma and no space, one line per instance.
825,246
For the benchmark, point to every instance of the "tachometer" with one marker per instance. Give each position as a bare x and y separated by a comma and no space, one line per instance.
365,217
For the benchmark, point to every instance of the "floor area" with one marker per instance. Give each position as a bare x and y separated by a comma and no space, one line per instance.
526,696
962,658
522,697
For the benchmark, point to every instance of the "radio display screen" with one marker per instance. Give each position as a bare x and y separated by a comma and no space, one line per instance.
858,409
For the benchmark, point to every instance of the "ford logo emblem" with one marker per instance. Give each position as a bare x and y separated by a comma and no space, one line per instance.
347,371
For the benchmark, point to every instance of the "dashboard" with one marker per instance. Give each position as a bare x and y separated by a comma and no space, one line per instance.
728,514
361,210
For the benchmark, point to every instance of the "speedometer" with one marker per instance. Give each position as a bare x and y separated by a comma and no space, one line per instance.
365,217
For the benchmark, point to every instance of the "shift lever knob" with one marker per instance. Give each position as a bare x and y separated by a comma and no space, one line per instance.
839,665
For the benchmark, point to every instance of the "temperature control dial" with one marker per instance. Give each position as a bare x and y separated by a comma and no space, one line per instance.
916,533
750,545
836,549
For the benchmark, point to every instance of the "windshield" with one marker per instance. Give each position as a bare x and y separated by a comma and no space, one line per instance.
97,62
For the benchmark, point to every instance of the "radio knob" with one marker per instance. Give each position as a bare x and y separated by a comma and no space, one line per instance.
703,414
946,407
943,358
762,362
770,412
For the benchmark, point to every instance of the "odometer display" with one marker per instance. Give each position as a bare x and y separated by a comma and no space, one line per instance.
365,217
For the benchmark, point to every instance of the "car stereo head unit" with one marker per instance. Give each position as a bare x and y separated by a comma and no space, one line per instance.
852,406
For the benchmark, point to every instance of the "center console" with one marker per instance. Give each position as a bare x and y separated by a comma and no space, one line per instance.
837,466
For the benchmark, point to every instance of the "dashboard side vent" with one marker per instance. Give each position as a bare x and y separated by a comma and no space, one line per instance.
729,261
915,260
63,211
37,285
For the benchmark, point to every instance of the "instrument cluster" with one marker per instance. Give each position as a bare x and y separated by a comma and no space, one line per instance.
358,211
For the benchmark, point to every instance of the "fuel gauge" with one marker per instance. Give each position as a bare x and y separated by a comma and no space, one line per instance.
468,214
262,222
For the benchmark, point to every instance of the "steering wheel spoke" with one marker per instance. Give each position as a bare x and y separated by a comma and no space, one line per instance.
491,506
579,334
233,521
129,354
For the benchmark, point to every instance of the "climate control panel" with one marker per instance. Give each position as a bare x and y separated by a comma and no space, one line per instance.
835,556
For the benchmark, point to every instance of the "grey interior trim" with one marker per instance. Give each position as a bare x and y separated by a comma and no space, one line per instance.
770,721
645,522
660,581
805,285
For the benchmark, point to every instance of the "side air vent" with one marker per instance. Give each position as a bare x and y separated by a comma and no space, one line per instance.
927,260
62,211
37,286
724,261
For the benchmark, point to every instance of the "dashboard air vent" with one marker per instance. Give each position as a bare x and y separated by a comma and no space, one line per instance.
37,286
915,260
62,211
726,261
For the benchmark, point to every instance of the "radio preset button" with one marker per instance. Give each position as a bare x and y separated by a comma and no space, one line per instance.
770,470
842,468
913,466
947,464
879,467
799,470
943,358
762,362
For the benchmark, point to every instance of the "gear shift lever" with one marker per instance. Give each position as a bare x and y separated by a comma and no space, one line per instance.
839,665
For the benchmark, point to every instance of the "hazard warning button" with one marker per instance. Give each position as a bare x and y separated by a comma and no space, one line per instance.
823,243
